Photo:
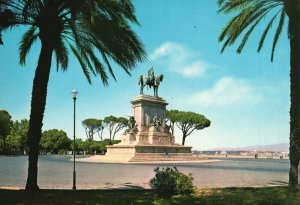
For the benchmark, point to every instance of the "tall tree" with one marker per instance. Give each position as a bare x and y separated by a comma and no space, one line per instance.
87,28
54,140
114,125
17,139
5,126
171,117
91,127
250,13
187,122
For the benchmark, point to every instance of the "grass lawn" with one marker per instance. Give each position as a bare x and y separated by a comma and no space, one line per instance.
231,196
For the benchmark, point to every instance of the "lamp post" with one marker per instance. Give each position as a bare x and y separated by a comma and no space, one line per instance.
74,94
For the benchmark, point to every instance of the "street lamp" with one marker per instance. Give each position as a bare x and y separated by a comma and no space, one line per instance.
74,94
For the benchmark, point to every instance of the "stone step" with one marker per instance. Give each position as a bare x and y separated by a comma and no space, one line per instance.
167,156
160,160
152,157
163,154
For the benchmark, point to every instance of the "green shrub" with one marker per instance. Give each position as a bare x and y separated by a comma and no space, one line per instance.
171,181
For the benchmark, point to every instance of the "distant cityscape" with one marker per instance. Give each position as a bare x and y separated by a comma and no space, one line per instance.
274,151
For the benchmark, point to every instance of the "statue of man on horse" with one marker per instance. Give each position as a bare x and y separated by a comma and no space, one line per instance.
151,81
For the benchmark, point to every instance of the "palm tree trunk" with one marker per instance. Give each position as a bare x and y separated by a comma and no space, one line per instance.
38,103
294,31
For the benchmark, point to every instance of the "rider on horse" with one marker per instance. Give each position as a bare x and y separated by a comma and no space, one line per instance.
151,81
151,76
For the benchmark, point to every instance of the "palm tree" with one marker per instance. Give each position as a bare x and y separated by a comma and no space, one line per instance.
87,28
250,13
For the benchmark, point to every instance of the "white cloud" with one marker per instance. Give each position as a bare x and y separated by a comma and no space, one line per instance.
168,49
179,59
228,91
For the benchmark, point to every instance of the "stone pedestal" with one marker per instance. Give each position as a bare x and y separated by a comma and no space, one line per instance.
145,107
149,142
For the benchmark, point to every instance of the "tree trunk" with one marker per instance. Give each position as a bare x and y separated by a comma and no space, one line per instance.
294,31
183,138
38,103
293,175
172,128
4,144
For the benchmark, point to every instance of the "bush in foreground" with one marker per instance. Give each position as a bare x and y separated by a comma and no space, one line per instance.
171,181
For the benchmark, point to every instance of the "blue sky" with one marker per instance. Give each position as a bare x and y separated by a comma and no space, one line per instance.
245,96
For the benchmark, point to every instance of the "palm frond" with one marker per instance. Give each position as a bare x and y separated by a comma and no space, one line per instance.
1,41
114,39
31,9
250,15
241,21
122,44
82,64
7,18
225,45
233,5
220,2
108,64
129,11
27,40
262,39
246,18
278,32
99,68
85,52
104,27
225,30
246,36
62,54
82,44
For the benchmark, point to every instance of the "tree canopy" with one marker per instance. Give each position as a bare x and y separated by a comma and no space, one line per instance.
93,126
17,139
5,126
114,125
92,147
187,122
54,140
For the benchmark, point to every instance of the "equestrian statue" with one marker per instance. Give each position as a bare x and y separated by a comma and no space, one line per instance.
151,81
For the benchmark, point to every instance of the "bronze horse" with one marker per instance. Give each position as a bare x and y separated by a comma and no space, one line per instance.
145,80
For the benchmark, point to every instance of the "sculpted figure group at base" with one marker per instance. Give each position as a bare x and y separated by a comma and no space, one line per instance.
151,81
156,121
132,126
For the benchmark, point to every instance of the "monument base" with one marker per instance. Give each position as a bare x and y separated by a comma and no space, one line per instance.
151,137
144,153
148,138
